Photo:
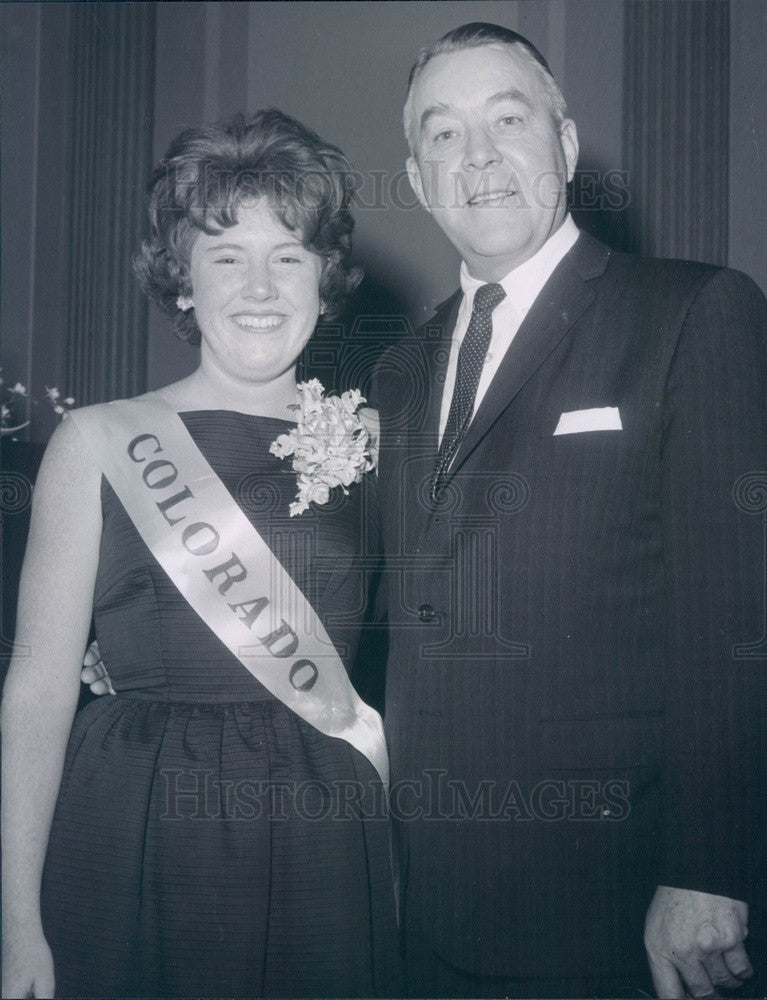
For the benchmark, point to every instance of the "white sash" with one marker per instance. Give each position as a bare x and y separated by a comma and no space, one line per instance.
224,568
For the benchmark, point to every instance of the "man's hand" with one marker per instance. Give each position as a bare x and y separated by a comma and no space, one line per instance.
94,673
695,939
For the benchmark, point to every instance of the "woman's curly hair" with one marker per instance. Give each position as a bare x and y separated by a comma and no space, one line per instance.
209,172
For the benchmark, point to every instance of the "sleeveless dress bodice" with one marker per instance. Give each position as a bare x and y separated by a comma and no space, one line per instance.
154,644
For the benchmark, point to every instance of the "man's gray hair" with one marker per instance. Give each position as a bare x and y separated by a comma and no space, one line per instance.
473,36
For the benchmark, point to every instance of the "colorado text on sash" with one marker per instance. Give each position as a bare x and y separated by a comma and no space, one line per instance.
224,569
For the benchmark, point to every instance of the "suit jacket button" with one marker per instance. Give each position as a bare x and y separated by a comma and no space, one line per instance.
426,613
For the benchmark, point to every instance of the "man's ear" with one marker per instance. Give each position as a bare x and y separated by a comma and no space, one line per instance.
416,183
568,136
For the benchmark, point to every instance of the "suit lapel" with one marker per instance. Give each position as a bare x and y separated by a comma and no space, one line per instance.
438,354
422,438
562,301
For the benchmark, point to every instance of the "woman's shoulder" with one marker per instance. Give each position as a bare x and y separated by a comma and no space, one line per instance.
69,474
67,445
102,414
72,445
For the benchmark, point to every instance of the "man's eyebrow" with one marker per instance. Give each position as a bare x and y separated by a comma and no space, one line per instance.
431,112
445,109
509,95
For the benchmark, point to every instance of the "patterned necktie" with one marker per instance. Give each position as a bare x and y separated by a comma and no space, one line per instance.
471,358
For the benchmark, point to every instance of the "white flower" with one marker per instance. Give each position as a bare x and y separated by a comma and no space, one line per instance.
352,400
311,395
283,446
316,492
54,398
19,391
330,444
313,388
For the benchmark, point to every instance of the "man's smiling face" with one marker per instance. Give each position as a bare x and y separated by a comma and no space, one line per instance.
491,164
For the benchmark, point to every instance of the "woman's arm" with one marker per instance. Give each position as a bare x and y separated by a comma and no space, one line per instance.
41,691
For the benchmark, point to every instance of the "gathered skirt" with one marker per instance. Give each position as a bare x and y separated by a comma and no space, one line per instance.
217,849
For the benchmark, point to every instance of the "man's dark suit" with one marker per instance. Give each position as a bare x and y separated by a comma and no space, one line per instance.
562,625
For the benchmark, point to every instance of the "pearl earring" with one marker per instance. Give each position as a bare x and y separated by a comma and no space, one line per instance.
185,303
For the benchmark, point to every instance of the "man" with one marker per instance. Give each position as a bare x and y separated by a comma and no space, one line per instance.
574,743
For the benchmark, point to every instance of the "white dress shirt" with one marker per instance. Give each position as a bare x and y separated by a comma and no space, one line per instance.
522,287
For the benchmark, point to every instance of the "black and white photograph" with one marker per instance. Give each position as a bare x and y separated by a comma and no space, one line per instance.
383,490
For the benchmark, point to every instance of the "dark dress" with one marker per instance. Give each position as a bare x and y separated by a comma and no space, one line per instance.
206,840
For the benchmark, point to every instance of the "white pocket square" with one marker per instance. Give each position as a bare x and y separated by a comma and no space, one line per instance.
602,418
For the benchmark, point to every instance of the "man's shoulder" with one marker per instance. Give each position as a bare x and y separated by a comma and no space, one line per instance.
443,313
667,269
667,275
428,335
709,306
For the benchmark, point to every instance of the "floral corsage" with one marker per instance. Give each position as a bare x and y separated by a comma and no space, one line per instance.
331,444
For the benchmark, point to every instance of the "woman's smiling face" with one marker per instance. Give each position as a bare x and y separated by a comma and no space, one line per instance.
256,294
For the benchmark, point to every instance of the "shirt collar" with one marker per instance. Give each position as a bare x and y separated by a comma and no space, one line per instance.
524,283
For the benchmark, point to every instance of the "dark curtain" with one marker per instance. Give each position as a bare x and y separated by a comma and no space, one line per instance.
677,127
107,165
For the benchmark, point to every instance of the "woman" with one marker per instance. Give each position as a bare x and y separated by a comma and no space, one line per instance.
202,842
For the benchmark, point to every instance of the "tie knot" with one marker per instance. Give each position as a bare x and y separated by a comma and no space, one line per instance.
487,297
